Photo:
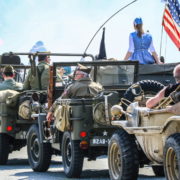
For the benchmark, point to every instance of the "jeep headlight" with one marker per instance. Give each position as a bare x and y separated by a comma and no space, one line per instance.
116,111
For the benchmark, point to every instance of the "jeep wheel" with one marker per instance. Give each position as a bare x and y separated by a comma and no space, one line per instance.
72,156
4,148
123,157
172,157
158,171
149,87
39,154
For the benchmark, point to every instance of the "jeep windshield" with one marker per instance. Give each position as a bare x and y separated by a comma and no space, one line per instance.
112,75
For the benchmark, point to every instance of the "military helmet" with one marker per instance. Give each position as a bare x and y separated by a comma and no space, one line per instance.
8,69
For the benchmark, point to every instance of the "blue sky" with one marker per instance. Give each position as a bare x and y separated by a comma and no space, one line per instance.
66,26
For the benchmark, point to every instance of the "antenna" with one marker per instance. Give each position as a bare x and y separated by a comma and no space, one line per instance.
106,22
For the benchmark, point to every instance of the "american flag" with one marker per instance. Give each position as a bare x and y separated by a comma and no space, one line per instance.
171,21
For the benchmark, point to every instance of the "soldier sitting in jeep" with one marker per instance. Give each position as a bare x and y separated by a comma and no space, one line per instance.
165,92
82,87
9,82
41,81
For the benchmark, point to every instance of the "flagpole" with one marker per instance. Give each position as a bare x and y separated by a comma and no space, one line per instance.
162,32
165,47
161,40
106,22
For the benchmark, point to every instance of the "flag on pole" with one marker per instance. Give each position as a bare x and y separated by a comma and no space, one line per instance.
102,49
171,21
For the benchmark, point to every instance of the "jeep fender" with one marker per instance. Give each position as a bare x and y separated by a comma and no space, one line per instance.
173,121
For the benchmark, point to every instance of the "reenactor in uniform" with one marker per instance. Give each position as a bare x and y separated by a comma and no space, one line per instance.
41,80
9,83
166,91
83,86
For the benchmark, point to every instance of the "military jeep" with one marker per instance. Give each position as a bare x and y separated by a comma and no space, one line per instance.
89,118
144,137
12,129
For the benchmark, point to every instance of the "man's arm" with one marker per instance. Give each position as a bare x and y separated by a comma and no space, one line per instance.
65,95
26,85
49,116
156,99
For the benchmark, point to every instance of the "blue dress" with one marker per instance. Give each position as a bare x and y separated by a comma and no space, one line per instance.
141,46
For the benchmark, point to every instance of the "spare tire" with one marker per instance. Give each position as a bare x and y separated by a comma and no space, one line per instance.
149,87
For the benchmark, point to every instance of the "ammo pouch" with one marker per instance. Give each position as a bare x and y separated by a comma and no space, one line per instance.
24,110
61,115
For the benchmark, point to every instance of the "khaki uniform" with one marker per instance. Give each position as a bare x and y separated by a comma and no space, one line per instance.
84,87
10,84
32,82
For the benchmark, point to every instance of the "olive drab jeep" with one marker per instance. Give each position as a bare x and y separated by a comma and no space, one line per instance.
17,108
145,137
12,129
86,129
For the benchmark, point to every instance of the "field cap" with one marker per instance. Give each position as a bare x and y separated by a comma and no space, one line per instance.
138,21
83,68
8,69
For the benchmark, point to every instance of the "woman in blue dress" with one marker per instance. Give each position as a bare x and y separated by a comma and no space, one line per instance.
141,46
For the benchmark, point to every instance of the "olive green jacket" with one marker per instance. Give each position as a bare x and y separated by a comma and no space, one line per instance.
32,82
10,84
84,87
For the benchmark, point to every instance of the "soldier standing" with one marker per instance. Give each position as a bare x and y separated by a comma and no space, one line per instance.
9,83
41,80
83,86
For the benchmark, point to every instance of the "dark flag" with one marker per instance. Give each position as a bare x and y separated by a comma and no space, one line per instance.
102,49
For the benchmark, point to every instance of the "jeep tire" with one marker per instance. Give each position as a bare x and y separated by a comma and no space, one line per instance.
172,157
72,156
4,148
149,87
39,154
123,158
